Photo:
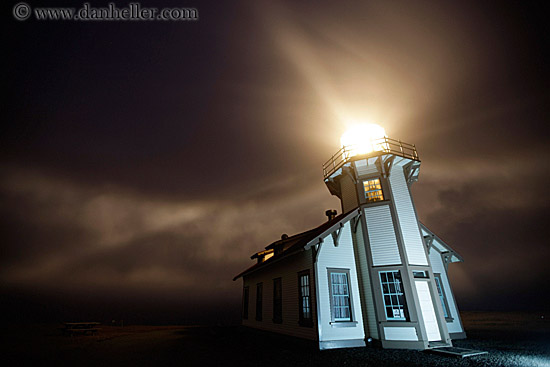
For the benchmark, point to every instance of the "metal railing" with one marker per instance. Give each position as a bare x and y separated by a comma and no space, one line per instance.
377,147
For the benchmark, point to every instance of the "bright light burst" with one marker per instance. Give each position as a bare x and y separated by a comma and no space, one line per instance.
363,139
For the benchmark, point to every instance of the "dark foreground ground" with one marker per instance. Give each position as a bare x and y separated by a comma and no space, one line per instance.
512,339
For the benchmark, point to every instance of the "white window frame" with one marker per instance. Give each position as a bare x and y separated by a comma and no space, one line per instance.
443,297
393,291
304,302
339,300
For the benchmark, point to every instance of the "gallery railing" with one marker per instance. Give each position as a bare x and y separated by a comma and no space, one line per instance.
371,149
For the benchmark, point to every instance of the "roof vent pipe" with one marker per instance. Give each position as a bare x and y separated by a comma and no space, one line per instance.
331,214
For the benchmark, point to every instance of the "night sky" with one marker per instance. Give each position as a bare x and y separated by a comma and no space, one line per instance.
142,163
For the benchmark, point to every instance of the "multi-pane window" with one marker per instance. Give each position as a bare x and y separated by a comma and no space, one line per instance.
305,298
259,296
442,297
373,190
246,296
277,301
339,294
394,298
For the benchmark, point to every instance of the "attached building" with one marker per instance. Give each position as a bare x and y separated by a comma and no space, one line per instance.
372,272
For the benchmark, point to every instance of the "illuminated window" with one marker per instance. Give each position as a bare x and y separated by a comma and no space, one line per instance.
373,190
246,296
277,301
442,297
394,298
259,295
340,295
305,299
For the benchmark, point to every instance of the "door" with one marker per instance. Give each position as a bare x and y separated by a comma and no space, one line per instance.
428,311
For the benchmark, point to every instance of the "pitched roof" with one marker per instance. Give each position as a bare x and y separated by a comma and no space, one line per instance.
295,243
439,245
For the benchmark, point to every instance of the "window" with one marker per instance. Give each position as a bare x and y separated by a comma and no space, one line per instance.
420,274
277,301
259,291
373,190
394,298
442,297
305,318
246,296
340,295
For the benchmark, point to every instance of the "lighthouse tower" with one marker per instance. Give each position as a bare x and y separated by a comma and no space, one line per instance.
398,289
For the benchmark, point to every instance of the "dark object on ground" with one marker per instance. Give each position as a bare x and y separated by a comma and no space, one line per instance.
82,328
457,352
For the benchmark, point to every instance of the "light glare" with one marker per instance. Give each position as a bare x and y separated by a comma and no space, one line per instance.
363,139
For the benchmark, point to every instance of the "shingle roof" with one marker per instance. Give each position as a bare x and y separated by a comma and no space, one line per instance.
294,243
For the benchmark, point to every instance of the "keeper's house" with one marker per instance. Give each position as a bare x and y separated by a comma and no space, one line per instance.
373,272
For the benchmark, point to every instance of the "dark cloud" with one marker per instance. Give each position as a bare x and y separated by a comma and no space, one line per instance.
64,237
498,227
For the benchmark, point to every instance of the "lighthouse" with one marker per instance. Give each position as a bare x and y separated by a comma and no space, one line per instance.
374,173
374,272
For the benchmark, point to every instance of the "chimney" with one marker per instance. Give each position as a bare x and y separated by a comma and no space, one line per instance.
331,214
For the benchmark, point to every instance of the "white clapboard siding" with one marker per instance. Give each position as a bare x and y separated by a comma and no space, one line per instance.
414,247
366,166
454,326
288,270
341,257
427,309
349,194
400,333
367,300
383,243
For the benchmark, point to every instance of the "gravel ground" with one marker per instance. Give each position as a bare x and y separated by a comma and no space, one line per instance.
512,339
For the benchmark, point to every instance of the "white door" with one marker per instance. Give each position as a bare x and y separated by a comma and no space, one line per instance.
428,312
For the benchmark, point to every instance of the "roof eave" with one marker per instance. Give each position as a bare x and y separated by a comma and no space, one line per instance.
336,225
444,244
345,217
270,261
